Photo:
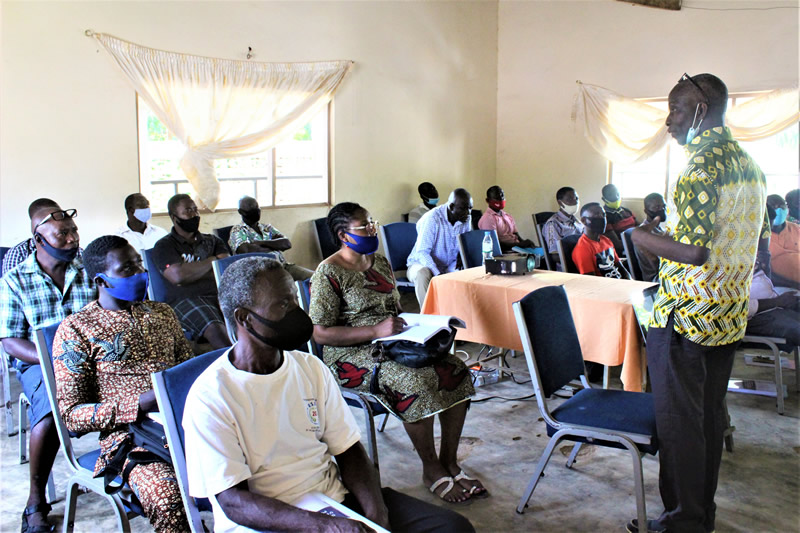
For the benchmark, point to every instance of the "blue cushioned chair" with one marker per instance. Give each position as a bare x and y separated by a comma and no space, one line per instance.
171,387
611,418
398,241
630,255
326,244
224,233
158,288
361,400
470,246
81,468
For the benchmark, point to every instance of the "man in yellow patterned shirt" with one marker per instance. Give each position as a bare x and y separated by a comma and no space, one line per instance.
715,220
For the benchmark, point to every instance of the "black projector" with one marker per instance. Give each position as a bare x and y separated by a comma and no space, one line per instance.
516,264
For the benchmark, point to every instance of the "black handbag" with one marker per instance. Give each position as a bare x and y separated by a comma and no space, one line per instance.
411,354
147,434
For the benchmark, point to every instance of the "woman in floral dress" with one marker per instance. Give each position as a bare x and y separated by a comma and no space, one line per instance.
354,300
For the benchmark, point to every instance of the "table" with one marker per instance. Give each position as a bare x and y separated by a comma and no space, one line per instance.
601,308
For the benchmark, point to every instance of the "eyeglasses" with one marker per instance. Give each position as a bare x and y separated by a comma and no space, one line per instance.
59,215
371,225
688,78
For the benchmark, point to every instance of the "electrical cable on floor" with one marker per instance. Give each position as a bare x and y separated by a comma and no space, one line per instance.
521,399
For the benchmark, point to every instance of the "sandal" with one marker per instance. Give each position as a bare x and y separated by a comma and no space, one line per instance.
450,485
475,491
43,508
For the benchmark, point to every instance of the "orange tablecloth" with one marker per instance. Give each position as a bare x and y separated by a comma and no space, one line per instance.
601,308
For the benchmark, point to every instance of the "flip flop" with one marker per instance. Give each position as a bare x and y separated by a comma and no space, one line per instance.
474,490
43,508
450,485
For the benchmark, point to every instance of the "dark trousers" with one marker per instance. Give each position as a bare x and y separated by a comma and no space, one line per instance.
413,515
689,384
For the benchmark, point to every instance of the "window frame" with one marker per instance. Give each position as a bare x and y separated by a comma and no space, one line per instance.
327,203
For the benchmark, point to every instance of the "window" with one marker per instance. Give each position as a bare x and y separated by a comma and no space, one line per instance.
778,156
295,172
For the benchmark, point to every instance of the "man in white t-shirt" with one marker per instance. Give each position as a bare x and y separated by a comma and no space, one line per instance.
263,423
137,230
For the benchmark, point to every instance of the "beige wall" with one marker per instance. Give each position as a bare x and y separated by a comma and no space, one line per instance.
544,46
419,105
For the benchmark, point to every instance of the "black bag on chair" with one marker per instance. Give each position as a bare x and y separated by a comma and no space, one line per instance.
147,434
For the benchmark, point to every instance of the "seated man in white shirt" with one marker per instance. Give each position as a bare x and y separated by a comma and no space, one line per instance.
264,422
772,313
137,231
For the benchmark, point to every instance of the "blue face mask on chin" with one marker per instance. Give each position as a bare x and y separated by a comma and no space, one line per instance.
130,289
692,133
64,255
363,245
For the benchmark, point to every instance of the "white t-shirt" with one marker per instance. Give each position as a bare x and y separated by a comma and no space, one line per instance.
141,241
415,214
277,431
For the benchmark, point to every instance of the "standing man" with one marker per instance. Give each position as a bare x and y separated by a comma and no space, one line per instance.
430,197
496,218
184,257
253,236
436,250
137,231
700,314
654,206
563,222
42,290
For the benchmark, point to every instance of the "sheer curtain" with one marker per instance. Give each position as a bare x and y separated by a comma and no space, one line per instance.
625,130
222,108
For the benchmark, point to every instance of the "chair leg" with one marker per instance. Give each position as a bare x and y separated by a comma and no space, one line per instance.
51,488
123,524
605,376
538,474
778,377
383,424
796,368
641,508
7,406
23,429
574,454
729,429
70,500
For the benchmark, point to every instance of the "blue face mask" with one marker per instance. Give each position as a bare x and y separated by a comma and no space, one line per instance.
780,216
692,133
64,255
131,289
363,245
432,201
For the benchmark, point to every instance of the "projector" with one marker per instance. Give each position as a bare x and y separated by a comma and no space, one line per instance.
516,264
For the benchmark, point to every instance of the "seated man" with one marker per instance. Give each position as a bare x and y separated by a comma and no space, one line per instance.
563,222
495,218
618,218
784,243
793,204
252,236
103,356
594,254
771,314
654,206
19,252
430,197
236,456
136,230
42,290
436,250
185,256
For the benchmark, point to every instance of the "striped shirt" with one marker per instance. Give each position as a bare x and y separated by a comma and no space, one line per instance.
437,241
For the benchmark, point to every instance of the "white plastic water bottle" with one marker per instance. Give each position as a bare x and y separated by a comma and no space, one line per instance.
487,247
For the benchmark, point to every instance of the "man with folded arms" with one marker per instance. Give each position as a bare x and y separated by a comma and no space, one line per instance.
42,290
264,422
137,229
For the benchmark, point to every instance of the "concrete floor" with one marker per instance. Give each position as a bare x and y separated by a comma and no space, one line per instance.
501,443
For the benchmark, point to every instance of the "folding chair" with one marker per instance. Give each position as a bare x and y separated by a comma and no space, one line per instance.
171,387
81,468
565,247
361,400
630,254
611,418
470,246
398,241
326,244
539,220
774,344
224,233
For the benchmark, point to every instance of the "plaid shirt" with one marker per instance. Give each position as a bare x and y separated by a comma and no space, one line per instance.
437,241
29,300
17,254
244,234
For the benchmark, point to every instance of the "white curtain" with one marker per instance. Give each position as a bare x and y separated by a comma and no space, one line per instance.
625,130
222,108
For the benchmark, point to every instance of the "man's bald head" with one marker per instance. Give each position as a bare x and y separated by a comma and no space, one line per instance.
248,203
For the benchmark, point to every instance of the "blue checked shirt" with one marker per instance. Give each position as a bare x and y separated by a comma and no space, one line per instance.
437,241
29,300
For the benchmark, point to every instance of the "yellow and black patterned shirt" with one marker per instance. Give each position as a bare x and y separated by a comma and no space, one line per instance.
719,202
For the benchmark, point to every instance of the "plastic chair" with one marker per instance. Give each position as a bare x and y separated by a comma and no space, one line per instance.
470,245
398,241
539,220
224,233
565,247
611,418
171,387
81,468
630,254
326,245
361,400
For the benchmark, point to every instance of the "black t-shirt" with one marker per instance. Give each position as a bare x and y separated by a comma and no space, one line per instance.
174,249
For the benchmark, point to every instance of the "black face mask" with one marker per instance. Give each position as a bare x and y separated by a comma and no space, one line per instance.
597,224
189,225
63,255
660,214
292,331
251,216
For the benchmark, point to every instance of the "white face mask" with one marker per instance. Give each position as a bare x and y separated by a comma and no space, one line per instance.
142,215
570,209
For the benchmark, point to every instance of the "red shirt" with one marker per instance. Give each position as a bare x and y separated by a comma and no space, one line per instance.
597,257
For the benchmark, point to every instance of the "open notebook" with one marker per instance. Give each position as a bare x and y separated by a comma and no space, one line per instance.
420,328
319,503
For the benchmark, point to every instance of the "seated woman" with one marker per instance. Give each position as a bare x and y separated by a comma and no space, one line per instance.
354,300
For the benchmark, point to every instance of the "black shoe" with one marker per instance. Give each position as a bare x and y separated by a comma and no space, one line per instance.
43,508
653,526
